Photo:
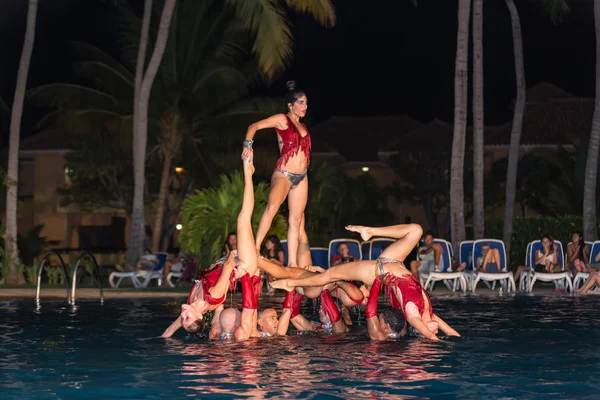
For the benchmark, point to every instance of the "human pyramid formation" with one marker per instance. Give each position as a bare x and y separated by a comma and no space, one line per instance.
410,302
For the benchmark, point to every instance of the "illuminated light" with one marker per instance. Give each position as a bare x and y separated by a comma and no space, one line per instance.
178,227
178,170
365,169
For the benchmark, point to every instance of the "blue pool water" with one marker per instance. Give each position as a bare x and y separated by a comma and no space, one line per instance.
512,347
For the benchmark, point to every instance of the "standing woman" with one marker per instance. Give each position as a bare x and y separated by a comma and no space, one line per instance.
289,177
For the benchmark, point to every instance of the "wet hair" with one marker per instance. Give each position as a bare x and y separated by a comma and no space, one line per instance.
293,93
394,318
197,326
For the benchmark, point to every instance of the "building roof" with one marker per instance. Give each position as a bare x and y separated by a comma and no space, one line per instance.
52,139
544,91
552,123
360,138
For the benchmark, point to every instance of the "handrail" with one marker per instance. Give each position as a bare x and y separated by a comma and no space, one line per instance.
64,268
96,268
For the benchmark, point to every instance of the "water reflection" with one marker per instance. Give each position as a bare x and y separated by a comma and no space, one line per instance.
525,347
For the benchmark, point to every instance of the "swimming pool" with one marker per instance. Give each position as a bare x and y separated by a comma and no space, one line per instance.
523,346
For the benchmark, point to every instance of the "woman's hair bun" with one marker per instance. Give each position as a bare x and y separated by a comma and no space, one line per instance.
291,85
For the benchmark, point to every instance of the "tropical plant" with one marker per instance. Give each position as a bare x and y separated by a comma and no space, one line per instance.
12,178
210,214
4,106
457,213
590,187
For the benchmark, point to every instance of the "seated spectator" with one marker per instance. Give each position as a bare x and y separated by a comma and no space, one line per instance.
148,261
578,254
489,260
546,260
430,256
593,280
343,255
273,251
230,244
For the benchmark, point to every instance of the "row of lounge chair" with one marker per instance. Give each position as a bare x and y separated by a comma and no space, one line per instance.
465,280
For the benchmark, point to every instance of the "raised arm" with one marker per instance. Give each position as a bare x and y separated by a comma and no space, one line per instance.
275,121
373,326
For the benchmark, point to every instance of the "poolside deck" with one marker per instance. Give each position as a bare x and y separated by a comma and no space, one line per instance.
168,293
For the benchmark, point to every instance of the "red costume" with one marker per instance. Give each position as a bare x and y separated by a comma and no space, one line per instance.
293,142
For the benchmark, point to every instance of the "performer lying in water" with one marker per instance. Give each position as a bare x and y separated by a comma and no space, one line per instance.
406,293
207,294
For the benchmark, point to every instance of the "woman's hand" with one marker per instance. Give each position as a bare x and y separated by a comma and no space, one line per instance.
248,154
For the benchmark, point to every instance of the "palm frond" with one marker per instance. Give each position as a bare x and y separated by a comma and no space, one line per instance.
107,78
90,120
88,52
555,9
4,106
66,95
267,23
320,10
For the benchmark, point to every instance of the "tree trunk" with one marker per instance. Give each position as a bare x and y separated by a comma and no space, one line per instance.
590,231
136,240
478,121
517,125
12,178
457,205
162,202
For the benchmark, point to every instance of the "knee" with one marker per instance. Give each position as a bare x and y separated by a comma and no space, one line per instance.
271,209
416,229
295,220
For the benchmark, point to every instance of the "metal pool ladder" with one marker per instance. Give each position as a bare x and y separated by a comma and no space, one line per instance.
90,257
64,269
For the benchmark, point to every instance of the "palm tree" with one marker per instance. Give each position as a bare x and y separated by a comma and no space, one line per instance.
478,121
457,206
140,132
12,179
517,125
555,9
591,166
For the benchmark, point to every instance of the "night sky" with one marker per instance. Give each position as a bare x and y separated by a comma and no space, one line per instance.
387,58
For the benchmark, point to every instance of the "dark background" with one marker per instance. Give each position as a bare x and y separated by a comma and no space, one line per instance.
383,58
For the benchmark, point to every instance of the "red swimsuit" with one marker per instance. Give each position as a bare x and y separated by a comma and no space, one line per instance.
293,142
412,291
208,279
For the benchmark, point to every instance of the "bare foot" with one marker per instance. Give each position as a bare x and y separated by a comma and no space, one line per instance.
461,267
282,284
365,232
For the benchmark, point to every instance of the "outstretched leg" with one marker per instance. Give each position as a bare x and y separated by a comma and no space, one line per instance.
354,271
410,234
246,248
280,186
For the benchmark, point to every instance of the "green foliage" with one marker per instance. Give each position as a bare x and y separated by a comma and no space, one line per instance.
3,106
94,182
31,244
527,229
551,181
210,214
337,200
